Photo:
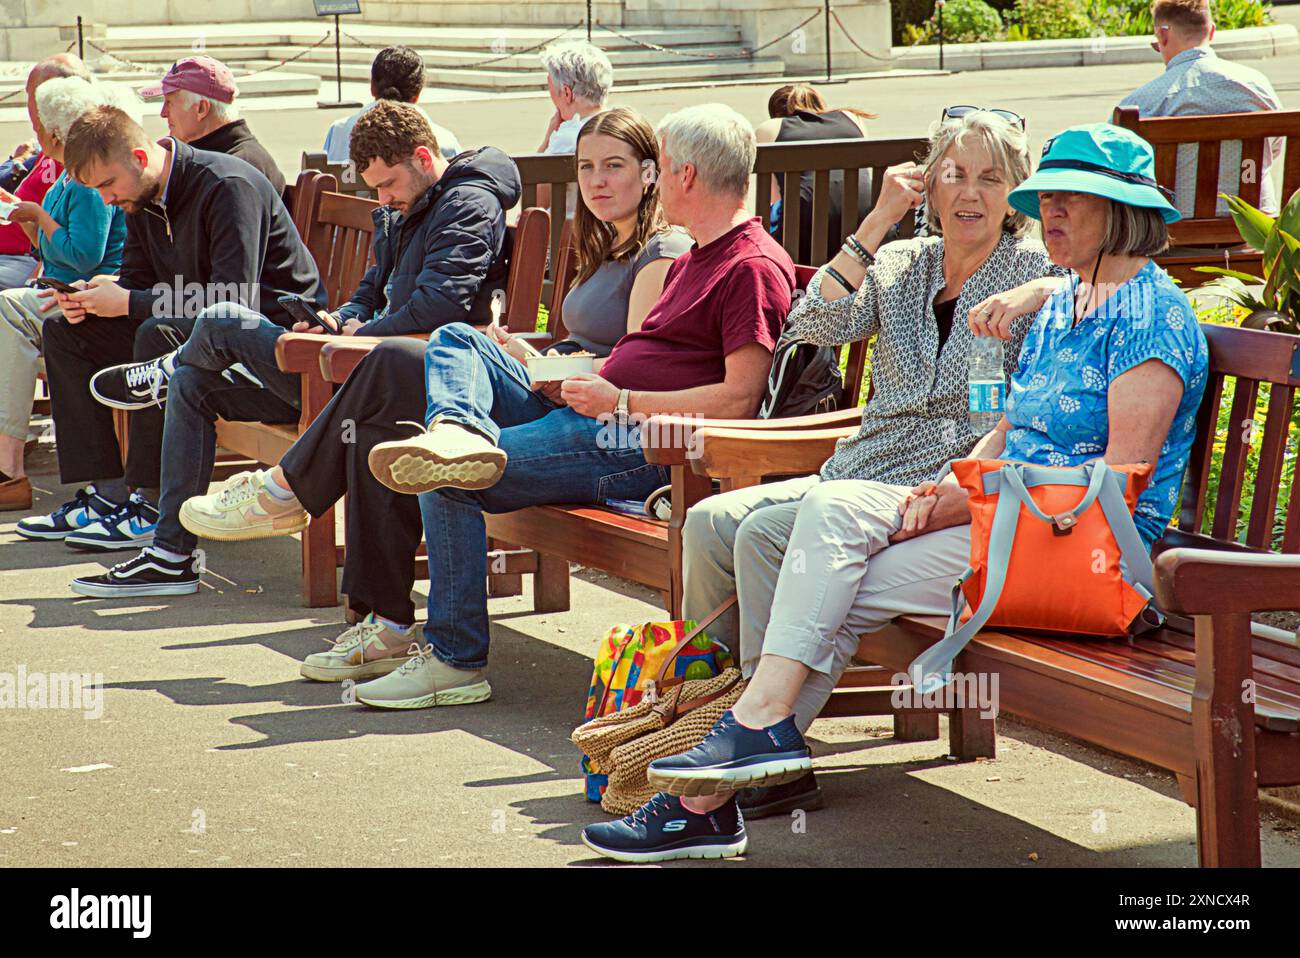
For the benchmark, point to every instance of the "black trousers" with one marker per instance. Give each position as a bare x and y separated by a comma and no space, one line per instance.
331,459
86,443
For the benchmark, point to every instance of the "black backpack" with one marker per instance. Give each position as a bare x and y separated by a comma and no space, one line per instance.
805,379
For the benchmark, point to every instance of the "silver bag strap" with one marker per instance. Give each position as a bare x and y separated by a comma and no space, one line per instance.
932,669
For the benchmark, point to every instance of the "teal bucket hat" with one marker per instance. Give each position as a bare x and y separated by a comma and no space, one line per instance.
1097,158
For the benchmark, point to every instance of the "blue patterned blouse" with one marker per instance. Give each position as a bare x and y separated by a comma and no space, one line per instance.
1056,403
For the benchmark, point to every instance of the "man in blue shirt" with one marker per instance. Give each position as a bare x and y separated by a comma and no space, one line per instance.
1196,82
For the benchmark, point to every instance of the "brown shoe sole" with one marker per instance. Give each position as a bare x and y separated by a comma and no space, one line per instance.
414,469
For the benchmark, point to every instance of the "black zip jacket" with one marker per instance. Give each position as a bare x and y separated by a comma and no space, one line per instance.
236,139
221,233
442,261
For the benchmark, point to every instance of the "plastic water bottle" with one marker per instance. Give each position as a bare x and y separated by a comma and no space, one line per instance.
986,383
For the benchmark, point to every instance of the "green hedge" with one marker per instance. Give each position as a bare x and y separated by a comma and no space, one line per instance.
968,21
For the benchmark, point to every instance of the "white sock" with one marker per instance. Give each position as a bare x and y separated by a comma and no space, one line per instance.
276,490
395,626
169,555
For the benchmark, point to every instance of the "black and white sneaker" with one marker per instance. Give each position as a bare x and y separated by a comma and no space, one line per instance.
130,527
146,574
86,509
134,385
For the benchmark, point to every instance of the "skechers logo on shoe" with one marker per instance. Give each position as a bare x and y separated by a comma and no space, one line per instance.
74,911
676,825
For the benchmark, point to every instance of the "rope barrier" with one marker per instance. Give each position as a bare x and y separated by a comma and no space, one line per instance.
857,46
152,68
661,49
296,56
788,33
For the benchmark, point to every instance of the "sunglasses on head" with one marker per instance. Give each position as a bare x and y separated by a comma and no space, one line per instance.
956,112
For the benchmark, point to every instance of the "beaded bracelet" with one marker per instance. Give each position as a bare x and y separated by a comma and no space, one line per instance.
853,246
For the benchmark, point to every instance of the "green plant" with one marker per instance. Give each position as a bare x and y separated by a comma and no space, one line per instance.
1122,18
970,21
1050,19
1277,307
1235,14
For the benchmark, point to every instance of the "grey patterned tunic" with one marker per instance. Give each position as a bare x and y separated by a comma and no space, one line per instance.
917,418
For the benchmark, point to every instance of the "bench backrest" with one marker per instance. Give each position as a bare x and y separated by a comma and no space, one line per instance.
340,237
1253,359
530,239
822,158
1165,134
348,180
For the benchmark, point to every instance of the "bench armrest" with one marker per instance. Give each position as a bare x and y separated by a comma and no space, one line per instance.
299,352
1205,582
748,454
668,440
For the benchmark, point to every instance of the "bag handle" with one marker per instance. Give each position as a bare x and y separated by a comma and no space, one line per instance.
686,640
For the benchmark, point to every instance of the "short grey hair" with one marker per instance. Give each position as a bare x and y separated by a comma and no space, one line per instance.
714,139
223,113
582,67
1007,145
1134,231
62,101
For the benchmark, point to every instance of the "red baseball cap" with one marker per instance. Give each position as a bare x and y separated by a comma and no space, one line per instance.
202,75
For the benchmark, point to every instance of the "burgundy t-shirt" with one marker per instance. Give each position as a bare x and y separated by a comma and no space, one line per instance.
716,298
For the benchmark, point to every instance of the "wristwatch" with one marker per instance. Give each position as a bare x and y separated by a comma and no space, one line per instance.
620,407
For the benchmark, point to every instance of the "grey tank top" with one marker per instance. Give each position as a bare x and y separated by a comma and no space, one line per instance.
595,312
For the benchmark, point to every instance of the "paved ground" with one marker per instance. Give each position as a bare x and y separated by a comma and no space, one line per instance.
217,753
210,750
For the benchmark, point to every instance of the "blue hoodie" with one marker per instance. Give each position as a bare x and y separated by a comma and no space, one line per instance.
441,262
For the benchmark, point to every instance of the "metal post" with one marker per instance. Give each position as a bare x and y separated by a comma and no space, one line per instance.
826,16
338,56
588,21
940,6
81,42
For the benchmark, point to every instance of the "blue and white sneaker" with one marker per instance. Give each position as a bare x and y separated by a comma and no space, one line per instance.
662,830
86,509
130,527
732,757
146,574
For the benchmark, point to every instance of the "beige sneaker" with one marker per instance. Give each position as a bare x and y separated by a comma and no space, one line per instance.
366,650
425,681
444,454
243,509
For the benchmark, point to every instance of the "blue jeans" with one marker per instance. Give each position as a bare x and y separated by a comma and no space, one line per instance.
197,395
554,456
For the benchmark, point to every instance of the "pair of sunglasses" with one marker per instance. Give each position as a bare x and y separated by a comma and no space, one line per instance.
956,112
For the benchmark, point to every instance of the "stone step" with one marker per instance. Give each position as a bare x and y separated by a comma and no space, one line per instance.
484,39
519,80
272,83
163,57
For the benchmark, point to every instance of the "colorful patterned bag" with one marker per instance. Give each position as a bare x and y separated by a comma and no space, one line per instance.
627,662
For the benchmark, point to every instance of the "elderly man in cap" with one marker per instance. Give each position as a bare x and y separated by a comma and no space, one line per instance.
199,107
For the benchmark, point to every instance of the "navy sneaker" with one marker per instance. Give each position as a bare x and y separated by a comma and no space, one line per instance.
130,527
732,757
146,574
136,385
86,509
662,830
803,794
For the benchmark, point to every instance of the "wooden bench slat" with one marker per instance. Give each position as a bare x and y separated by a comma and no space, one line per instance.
1268,476
1227,506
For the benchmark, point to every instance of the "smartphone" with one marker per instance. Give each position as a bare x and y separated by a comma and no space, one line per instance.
45,282
6,210
303,310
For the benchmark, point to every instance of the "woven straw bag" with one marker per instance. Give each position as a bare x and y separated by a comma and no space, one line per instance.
671,720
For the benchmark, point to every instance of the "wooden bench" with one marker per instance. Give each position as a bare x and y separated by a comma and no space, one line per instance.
1207,238
1212,698
642,549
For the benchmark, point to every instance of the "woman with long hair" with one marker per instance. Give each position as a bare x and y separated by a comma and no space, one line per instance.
622,243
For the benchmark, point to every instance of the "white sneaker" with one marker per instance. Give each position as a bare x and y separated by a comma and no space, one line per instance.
444,454
243,509
366,650
424,681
